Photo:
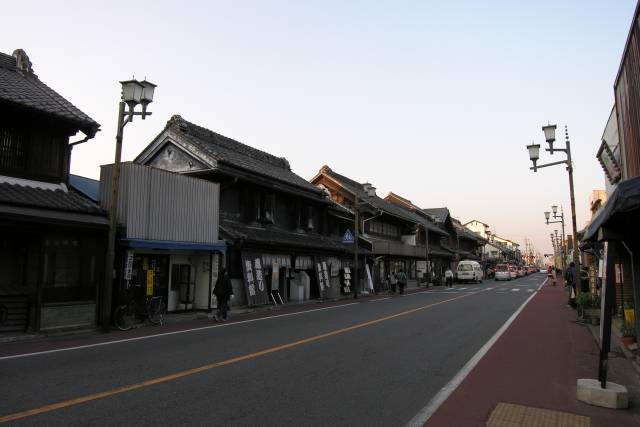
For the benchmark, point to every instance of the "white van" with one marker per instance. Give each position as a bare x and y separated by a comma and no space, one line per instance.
469,271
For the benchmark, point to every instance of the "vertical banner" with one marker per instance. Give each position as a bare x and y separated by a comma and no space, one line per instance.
321,283
369,283
255,287
275,277
150,274
325,273
346,281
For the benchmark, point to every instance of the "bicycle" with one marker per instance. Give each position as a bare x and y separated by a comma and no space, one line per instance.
125,315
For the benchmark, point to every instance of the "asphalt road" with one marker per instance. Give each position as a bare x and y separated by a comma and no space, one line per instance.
372,363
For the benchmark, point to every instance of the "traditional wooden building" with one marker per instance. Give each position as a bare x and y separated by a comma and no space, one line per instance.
469,244
283,234
52,238
438,257
461,242
392,230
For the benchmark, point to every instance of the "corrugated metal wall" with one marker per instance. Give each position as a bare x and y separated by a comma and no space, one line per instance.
160,205
627,93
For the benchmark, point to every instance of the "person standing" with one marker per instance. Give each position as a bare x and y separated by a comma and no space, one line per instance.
572,283
223,291
393,281
448,278
402,281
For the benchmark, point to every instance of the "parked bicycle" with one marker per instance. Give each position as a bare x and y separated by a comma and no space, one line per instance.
136,310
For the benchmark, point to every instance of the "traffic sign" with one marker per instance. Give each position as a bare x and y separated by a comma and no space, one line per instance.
348,237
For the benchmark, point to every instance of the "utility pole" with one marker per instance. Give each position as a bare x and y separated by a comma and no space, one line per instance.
426,244
355,247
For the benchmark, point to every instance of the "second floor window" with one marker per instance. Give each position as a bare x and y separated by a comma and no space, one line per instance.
268,208
13,154
383,228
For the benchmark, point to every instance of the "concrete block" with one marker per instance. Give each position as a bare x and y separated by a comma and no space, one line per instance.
615,396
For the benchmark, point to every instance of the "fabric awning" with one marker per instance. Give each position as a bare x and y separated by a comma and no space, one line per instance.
219,246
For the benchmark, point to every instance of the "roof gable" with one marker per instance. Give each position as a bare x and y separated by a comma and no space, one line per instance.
376,202
217,151
20,86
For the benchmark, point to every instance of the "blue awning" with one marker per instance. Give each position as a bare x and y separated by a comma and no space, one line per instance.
219,246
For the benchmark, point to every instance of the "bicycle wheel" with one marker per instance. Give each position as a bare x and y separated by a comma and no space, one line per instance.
124,317
156,310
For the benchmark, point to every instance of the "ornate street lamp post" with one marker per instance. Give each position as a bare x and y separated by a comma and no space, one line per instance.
557,215
134,92
534,155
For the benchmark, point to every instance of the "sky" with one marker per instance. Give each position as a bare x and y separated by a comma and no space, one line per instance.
432,100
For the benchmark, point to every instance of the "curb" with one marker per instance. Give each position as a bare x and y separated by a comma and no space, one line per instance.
627,354
200,315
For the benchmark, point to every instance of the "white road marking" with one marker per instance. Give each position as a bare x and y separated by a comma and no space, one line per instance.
462,289
425,413
515,289
489,289
529,290
16,356
380,299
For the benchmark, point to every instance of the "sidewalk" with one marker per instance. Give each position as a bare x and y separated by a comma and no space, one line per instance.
532,370
178,321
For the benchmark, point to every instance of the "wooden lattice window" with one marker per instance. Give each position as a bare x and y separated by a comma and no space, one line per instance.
13,153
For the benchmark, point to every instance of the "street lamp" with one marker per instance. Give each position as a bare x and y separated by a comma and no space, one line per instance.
134,92
550,136
556,215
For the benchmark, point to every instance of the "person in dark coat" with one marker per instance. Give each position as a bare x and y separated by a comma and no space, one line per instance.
572,283
223,291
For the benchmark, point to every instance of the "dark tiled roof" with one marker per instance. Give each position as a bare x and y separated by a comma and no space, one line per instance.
440,214
375,201
238,231
25,89
225,150
465,232
13,194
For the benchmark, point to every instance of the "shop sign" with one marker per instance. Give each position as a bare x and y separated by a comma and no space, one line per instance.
128,268
150,274
255,286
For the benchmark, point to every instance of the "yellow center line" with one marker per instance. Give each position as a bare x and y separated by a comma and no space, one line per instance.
159,380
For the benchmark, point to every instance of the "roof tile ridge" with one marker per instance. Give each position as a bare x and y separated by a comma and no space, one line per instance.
254,153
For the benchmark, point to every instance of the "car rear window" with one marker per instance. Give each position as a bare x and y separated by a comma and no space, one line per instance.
501,267
465,267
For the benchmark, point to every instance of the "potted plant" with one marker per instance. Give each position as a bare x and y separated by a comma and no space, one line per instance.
592,308
628,333
589,307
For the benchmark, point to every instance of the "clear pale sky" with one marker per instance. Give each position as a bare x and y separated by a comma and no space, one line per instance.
433,100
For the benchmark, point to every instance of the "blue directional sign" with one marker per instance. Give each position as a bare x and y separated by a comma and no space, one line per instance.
348,237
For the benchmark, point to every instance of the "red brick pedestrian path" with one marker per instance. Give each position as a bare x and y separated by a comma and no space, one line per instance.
536,362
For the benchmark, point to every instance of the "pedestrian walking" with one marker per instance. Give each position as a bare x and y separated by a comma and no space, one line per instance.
448,278
393,281
223,291
572,282
402,281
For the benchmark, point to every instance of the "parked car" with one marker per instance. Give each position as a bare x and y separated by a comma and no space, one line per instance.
512,271
520,271
543,270
469,271
532,269
502,272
